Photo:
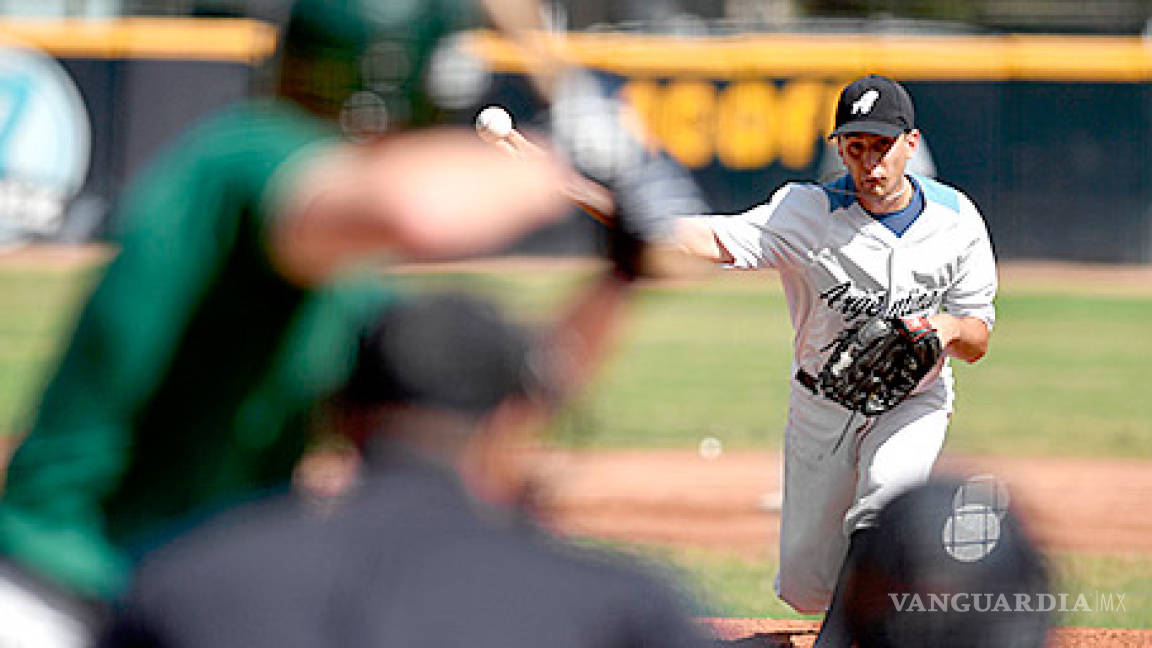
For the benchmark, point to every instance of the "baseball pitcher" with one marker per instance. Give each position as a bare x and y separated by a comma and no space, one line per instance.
886,274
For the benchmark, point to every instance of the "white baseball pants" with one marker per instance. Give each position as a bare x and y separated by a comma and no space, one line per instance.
827,496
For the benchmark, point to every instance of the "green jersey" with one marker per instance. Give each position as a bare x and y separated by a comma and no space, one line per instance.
193,369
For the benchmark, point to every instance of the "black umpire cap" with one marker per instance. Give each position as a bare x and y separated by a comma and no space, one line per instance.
447,351
876,105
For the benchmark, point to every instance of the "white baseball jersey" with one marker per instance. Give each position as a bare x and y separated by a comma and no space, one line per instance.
838,264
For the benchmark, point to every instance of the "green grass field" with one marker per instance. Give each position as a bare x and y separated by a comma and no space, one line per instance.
1067,375
36,308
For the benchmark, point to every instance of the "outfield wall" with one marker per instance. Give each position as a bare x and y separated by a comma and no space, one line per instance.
1050,135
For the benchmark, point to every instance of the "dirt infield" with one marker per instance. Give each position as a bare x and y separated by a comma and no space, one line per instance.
65,257
679,499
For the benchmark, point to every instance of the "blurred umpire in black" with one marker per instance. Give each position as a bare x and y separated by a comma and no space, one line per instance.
949,564
436,545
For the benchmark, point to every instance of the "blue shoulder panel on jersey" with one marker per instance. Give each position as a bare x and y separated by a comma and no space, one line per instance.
841,192
939,193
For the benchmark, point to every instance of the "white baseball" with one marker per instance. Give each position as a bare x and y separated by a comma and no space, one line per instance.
494,123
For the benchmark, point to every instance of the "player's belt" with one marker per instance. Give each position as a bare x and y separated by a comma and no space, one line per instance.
808,380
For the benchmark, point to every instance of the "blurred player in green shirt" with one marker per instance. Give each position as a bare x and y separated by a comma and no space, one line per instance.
191,374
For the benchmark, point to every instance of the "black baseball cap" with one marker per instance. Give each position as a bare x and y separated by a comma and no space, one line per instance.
874,104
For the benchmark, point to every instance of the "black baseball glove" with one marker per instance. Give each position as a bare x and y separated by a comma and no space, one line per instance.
875,365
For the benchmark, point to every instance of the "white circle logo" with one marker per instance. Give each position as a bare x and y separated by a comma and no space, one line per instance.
972,531
45,141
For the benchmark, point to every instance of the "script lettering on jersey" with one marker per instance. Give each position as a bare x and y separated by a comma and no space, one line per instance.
917,301
852,302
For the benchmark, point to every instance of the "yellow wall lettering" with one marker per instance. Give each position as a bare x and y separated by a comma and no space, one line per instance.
827,121
686,121
748,124
745,137
798,121
643,97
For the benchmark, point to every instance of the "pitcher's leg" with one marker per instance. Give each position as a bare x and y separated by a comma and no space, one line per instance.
897,454
818,491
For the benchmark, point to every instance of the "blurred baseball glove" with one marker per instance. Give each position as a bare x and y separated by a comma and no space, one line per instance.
875,365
